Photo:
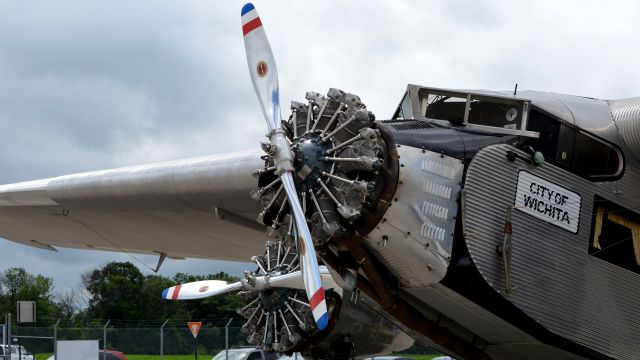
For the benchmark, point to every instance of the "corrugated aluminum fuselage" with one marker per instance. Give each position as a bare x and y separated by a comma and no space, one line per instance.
563,302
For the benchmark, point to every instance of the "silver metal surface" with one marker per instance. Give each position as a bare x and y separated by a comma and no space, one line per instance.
415,238
497,130
155,208
577,296
626,114
29,193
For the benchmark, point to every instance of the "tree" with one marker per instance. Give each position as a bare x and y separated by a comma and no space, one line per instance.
18,285
114,291
68,304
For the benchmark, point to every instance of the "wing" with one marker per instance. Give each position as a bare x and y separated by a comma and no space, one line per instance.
197,208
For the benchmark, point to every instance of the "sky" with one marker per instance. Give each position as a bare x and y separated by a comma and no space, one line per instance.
88,85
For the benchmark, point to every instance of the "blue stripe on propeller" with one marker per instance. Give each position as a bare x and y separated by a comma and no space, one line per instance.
246,8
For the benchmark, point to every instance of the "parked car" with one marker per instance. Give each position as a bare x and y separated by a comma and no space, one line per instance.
294,356
110,355
246,354
16,353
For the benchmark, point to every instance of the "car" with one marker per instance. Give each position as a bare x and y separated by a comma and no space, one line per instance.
110,355
294,356
245,354
17,353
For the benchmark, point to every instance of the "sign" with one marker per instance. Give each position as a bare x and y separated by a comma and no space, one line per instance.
78,350
548,201
194,326
26,311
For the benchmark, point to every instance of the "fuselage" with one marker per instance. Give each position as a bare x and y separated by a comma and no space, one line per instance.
517,224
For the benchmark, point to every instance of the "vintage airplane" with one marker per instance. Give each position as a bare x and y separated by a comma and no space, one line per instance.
491,225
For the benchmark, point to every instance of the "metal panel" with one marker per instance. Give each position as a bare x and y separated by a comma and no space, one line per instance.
416,236
626,114
553,279
504,341
28,193
155,208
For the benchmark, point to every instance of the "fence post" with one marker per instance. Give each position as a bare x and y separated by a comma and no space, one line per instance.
226,340
55,339
4,333
104,340
9,340
162,339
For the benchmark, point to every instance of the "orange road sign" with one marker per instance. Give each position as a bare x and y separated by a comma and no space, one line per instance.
194,326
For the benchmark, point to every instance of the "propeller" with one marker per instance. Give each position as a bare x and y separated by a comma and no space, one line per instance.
207,288
264,76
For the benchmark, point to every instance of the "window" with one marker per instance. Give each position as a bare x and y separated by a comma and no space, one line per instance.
404,111
465,108
575,150
615,235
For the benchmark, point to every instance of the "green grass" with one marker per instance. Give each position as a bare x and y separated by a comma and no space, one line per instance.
208,357
45,356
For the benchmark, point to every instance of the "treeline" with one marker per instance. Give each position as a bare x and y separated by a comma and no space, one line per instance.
117,291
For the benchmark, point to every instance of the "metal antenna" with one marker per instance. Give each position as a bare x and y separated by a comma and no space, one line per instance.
515,90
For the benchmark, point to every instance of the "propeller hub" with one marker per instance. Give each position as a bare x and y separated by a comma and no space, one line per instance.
275,299
309,150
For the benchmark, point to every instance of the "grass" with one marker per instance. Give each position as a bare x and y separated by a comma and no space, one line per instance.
45,356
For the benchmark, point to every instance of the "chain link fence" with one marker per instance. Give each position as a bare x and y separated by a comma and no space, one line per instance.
171,340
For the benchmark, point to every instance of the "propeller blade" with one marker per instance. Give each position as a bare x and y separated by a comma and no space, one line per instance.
207,288
199,289
294,280
264,76
262,65
307,253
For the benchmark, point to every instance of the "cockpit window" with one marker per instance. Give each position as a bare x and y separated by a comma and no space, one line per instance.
484,111
404,111
575,150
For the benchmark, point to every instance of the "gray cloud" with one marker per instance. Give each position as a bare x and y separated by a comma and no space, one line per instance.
90,85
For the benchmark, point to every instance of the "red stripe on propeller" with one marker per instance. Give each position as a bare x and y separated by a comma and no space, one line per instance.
251,25
317,298
176,291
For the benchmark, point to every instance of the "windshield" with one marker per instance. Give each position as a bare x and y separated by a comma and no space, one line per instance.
233,355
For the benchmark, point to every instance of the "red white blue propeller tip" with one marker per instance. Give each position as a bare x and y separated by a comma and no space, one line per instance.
319,309
250,18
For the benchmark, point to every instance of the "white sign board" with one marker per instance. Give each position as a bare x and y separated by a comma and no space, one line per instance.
78,350
548,201
26,311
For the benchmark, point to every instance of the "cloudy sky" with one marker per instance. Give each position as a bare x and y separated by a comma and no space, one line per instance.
87,85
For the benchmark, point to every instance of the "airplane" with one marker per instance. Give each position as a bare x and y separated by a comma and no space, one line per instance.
487,224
